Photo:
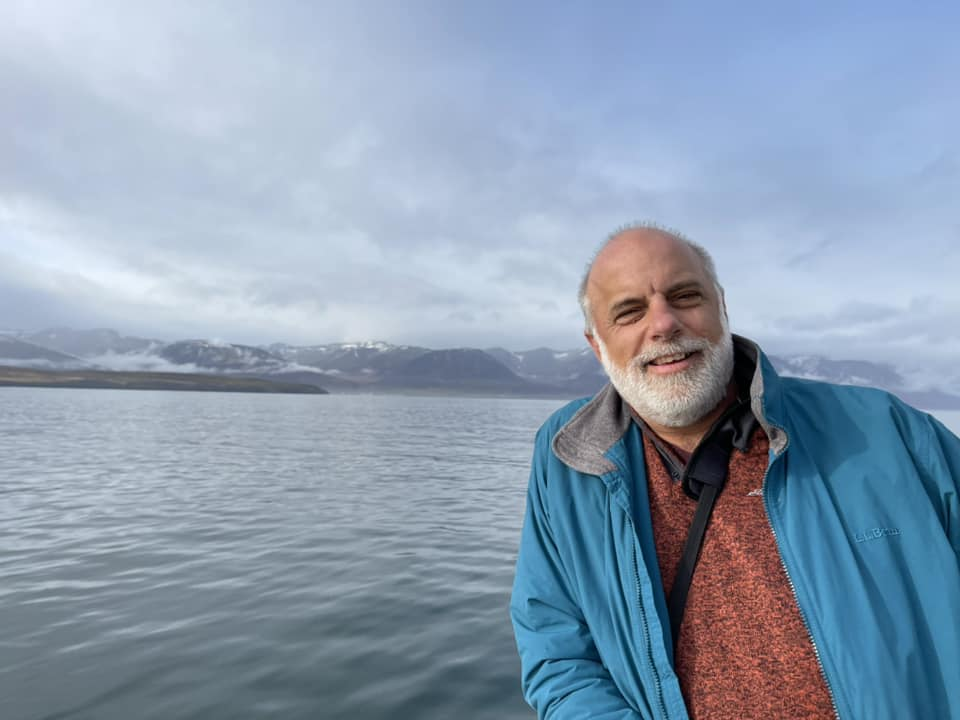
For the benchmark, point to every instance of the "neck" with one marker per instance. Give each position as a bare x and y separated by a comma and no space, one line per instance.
689,437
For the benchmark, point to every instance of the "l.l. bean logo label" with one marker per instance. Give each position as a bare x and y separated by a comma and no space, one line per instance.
875,534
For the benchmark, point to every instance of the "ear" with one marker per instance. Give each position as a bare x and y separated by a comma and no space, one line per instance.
593,344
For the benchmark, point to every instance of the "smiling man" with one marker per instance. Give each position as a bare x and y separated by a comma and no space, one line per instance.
705,539
660,331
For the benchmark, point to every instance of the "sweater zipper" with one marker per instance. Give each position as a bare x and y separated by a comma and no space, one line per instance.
793,588
645,624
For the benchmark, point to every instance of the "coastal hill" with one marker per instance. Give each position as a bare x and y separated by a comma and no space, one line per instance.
108,379
382,367
15,351
461,369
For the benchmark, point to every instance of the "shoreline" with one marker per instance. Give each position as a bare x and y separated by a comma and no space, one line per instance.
123,380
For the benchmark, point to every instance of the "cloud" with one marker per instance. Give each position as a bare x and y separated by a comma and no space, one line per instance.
313,172
142,362
920,338
809,256
462,316
849,318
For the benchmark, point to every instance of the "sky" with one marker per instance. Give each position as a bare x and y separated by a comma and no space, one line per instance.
438,173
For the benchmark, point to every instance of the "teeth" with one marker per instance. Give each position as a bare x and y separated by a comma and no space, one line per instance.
669,359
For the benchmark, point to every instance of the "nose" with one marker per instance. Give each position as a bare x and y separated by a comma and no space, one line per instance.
663,323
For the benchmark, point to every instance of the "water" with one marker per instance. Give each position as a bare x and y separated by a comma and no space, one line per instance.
201,555
198,555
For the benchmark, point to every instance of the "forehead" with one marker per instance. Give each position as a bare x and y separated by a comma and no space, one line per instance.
641,263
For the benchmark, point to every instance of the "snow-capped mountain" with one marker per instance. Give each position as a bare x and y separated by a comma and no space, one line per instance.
381,366
574,369
221,357
362,360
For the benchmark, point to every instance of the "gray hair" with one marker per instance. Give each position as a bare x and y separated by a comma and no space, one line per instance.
708,265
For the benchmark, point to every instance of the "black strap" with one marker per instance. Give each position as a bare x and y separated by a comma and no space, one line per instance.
706,474
688,563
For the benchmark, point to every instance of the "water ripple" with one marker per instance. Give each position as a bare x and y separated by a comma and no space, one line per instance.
191,555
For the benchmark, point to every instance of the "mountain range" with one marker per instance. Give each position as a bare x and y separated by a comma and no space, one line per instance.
383,367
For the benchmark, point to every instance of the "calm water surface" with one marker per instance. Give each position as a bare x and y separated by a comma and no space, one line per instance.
202,555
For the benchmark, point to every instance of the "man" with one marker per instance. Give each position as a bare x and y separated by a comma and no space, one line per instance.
825,579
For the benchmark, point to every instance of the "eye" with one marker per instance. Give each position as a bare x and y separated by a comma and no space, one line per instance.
628,316
687,297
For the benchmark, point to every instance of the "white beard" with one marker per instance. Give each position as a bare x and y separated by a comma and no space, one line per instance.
680,399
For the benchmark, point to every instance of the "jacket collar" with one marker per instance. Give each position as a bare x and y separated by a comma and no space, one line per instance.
584,441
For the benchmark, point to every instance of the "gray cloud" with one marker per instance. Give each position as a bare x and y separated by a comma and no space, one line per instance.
315,172
920,338
462,316
844,319
809,256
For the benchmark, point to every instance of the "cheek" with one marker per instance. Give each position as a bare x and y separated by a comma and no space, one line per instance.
709,324
629,344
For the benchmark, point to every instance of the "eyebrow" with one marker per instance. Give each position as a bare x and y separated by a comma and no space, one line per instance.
642,302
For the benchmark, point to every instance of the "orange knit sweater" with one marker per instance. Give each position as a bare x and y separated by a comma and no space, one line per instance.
744,651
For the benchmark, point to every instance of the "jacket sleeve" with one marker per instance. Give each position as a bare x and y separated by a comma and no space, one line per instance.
562,675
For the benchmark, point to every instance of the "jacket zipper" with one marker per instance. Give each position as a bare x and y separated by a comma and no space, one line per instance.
646,626
793,588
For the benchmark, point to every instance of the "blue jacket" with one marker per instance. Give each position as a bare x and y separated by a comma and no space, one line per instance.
863,497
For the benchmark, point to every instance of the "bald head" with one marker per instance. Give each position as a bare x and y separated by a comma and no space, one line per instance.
630,244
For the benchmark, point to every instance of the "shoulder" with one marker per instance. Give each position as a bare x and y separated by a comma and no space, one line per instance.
547,467
558,419
829,408
798,391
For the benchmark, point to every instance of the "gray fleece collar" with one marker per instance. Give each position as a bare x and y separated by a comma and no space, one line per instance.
583,442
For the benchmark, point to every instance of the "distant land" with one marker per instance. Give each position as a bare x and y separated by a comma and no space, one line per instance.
115,360
26,377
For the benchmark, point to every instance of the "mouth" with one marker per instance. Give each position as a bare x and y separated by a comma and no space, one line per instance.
671,363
